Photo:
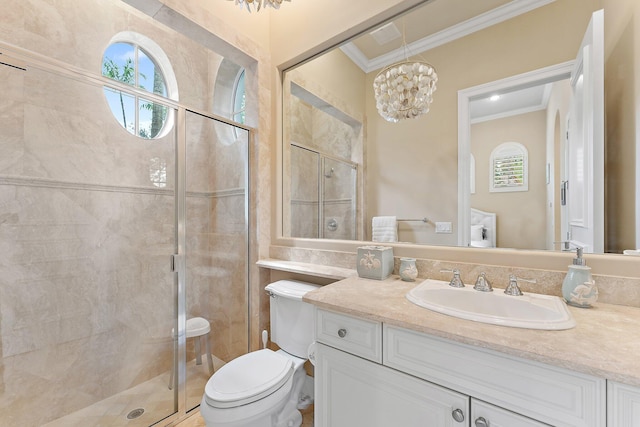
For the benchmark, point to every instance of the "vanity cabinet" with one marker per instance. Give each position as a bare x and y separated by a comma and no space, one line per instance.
422,380
623,405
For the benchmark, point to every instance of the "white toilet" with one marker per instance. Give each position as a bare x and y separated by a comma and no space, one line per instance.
262,388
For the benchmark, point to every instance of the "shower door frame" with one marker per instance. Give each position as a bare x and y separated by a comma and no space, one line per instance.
179,259
24,59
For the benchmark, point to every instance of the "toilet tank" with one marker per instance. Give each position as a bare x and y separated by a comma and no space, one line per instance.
292,320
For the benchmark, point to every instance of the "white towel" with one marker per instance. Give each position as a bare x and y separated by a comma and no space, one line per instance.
384,229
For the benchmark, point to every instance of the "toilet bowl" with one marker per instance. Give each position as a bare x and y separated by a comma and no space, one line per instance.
263,388
258,396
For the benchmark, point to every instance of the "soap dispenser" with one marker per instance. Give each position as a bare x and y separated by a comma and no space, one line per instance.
578,288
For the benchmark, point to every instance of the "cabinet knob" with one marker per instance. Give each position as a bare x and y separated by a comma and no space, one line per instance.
481,422
342,332
458,415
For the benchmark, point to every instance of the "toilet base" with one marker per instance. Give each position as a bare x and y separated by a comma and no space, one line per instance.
265,419
289,417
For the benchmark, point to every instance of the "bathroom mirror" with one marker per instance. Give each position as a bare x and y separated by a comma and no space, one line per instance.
410,169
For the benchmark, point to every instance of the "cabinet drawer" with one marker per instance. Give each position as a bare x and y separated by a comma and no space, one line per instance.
546,393
498,417
356,336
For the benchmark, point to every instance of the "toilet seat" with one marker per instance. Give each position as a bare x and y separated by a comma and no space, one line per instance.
248,378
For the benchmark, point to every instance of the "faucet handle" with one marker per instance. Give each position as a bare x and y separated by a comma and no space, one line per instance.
513,288
482,283
456,281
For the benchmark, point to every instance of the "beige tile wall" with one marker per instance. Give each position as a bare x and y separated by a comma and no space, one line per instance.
86,293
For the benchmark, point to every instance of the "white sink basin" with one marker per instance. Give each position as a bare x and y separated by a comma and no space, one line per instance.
533,311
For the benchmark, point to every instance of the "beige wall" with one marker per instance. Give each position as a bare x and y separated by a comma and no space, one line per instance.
622,100
557,110
223,18
308,27
334,78
520,215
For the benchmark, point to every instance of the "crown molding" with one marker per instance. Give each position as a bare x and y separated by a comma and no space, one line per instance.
470,26
509,113
356,56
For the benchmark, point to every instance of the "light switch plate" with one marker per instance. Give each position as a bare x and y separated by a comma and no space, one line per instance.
443,227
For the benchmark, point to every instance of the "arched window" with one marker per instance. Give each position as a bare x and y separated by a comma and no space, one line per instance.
509,166
229,98
137,61
239,99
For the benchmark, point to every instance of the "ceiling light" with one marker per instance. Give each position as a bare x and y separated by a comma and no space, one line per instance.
257,4
405,90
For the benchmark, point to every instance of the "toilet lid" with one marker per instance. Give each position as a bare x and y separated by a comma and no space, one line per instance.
248,378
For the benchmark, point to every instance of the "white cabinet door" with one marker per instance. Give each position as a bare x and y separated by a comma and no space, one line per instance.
353,392
624,405
554,395
486,415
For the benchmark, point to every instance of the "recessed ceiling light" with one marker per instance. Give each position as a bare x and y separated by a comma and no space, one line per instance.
494,98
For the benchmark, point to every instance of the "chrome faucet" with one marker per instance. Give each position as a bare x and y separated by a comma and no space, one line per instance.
482,284
513,288
456,281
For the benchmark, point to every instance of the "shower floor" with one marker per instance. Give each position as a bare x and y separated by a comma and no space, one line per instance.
153,396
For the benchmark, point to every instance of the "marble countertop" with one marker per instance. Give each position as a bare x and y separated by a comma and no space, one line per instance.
605,342
308,268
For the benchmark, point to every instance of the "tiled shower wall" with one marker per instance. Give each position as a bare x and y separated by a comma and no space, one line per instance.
87,297
217,232
327,135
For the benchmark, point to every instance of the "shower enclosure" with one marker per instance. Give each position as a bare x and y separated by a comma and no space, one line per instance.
109,243
323,195
321,161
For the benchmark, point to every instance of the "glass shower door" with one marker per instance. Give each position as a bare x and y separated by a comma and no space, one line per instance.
323,195
87,224
216,245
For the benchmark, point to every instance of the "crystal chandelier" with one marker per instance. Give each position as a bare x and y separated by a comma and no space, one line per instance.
257,4
405,90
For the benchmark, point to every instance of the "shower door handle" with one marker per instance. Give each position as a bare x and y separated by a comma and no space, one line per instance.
175,262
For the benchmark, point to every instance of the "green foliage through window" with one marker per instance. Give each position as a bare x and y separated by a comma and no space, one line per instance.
129,64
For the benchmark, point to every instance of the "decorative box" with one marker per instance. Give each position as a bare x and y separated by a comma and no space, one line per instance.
375,262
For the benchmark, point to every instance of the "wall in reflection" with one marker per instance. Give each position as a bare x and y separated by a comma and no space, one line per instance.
520,216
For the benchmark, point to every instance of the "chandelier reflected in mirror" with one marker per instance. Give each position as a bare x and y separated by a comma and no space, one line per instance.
258,4
405,90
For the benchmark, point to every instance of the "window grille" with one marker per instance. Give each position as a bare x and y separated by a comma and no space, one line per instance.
509,168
